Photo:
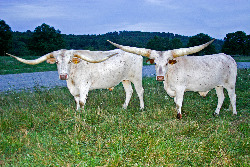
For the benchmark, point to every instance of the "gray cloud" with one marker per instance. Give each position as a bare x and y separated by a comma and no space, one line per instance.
187,17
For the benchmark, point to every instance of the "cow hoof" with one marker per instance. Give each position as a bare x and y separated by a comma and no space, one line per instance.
234,113
124,106
179,116
215,114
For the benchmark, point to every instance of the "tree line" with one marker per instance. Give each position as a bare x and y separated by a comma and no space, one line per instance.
45,39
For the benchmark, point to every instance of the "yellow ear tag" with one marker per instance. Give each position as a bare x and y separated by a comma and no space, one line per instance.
75,60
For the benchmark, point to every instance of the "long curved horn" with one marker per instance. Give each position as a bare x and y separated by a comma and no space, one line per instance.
190,50
139,51
91,60
33,62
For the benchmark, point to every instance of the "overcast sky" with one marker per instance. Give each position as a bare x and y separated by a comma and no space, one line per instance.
185,17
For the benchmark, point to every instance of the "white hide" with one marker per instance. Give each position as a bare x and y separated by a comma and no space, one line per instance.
84,76
201,74
192,73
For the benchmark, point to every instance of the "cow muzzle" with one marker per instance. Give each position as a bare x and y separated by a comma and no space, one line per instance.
160,78
63,76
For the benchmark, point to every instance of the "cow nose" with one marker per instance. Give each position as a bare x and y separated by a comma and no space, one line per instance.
160,78
63,76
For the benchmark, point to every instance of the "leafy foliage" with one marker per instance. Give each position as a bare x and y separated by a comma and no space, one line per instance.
5,37
201,39
237,43
20,43
163,44
46,39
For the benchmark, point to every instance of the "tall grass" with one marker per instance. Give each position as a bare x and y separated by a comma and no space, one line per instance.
42,128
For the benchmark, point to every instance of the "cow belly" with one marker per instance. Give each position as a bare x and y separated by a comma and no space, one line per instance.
104,85
200,86
106,82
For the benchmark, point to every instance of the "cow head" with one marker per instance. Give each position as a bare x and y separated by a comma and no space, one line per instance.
66,58
162,58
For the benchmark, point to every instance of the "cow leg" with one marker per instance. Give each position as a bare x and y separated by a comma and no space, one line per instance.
232,96
139,89
129,90
84,90
75,92
77,98
220,95
178,100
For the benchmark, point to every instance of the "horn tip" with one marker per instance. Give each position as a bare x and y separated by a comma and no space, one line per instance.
109,41
9,54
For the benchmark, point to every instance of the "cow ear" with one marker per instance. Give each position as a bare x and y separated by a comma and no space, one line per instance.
51,60
76,60
172,61
151,61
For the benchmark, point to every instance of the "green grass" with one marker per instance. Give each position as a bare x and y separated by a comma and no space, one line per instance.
242,58
42,128
10,65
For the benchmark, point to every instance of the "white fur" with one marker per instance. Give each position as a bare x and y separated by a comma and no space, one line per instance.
84,76
198,74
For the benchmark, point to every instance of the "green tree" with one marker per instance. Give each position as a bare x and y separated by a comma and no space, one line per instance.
236,43
46,39
247,51
176,43
20,42
158,43
162,44
201,39
5,37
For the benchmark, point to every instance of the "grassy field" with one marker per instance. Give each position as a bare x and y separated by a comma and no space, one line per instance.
10,65
42,128
242,58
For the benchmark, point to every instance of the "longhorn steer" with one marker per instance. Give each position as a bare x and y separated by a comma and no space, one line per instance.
192,73
87,70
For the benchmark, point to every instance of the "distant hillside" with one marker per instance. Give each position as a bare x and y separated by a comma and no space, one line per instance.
131,38
99,42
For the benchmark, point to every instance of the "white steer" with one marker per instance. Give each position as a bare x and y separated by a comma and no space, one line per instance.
192,73
87,70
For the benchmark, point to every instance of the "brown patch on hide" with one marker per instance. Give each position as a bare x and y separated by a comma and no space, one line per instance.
73,82
151,61
172,62
111,89
51,60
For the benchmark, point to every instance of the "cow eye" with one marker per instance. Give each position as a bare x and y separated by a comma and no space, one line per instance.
70,61
56,62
